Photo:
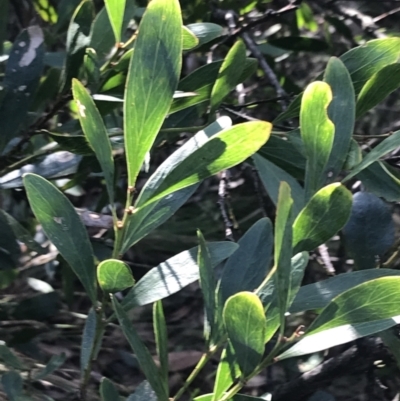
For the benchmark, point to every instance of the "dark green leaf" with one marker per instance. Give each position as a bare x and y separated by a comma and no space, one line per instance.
64,228
96,133
108,392
341,112
12,385
22,75
248,266
156,64
378,87
205,31
55,362
161,336
245,324
392,341
228,75
324,215
271,177
143,355
88,341
114,275
317,132
370,231
78,39
9,248
115,10
174,274
299,43
318,295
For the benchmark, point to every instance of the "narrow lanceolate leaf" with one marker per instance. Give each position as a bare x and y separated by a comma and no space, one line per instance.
115,11
88,341
228,74
64,228
248,266
283,247
161,336
378,87
363,310
245,324
317,132
114,275
341,112
224,150
95,131
22,75
143,355
324,215
78,39
386,146
208,288
108,392
152,80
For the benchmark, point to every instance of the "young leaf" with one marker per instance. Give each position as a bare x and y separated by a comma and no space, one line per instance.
108,392
245,324
370,231
248,266
378,87
271,177
114,275
152,80
283,247
64,228
96,133
160,331
224,150
143,355
208,288
324,215
115,10
174,274
386,146
363,310
317,132
22,75
341,112
78,39
318,295
228,74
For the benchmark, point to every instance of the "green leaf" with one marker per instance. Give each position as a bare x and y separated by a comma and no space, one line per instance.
108,392
96,133
143,355
271,177
64,228
224,150
208,288
248,266
114,275
55,362
386,146
378,87
78,39
228,370
22,75
174,274
147,218
143,392
341,112
189,39
283,247
317,132
161,336
245,324
392,341
88,341
115,10
205,31
370,231
318,295
12,385
324,215
363,310
152,80
300,44
10,359
228,75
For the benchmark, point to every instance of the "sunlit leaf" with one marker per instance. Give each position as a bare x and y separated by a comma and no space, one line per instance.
114,276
